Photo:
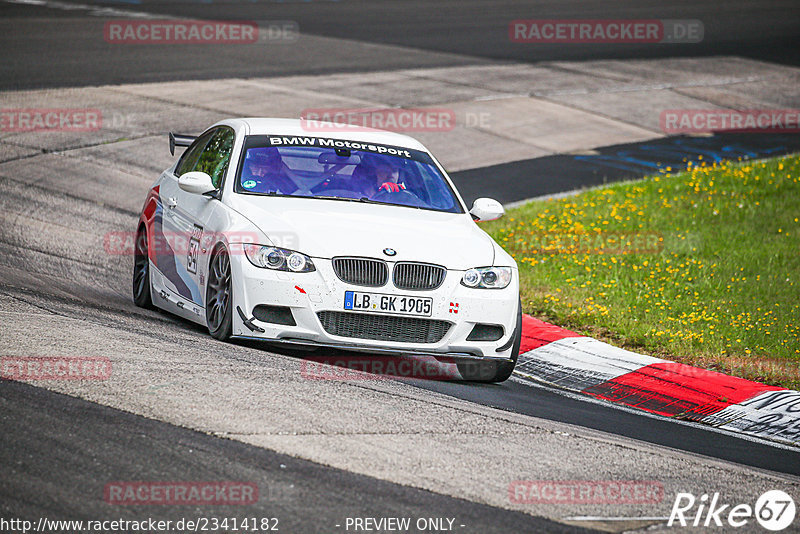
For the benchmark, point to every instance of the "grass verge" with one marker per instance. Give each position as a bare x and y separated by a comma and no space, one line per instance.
700,267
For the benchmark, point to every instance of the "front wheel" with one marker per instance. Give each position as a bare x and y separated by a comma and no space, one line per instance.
219,301
494,371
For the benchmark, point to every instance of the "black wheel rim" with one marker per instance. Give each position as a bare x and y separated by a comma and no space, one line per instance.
141,264
218,291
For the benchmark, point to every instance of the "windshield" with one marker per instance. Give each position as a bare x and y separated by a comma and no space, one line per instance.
346,170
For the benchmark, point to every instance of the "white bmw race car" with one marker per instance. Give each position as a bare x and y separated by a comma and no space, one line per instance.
353,240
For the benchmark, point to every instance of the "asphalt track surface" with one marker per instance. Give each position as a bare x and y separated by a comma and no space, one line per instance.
519,397
53,47
43,432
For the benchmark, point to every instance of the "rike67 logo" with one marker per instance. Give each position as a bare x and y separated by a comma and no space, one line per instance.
774,510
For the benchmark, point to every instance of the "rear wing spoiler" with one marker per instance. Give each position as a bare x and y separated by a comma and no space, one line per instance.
179,140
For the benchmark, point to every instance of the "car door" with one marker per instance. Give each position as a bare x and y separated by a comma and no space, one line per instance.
193,215
174,284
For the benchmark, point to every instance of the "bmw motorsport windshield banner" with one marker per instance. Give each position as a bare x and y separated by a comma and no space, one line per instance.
323,142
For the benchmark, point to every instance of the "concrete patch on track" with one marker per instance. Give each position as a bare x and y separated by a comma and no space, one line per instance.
552,127
10,151
679,72
503,112
633,106
119,116
103,182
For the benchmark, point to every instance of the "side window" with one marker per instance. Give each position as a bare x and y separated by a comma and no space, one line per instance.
216,156
189,158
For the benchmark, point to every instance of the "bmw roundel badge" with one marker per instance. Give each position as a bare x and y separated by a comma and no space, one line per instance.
390,251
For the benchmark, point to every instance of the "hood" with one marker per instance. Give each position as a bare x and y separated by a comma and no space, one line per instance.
327,228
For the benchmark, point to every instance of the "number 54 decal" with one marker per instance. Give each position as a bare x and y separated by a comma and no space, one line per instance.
194,249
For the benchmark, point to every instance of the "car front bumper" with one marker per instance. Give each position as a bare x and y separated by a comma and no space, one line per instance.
308,294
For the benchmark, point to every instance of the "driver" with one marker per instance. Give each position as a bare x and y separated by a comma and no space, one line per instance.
388,177
264,172
377,175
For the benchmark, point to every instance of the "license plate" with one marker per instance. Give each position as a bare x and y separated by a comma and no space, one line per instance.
396,304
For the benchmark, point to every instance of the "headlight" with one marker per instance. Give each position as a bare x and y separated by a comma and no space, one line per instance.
278,259
297,262
487,277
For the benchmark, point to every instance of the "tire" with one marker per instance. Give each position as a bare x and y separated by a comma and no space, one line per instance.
490,372
141,271
219,299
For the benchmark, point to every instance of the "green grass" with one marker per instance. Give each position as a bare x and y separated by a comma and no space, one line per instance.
707,270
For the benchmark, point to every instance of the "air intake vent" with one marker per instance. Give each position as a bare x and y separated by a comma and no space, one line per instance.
274,314
485,332
383,328
361,271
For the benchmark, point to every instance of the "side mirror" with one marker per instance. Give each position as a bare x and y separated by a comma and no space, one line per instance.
196,182
486,209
